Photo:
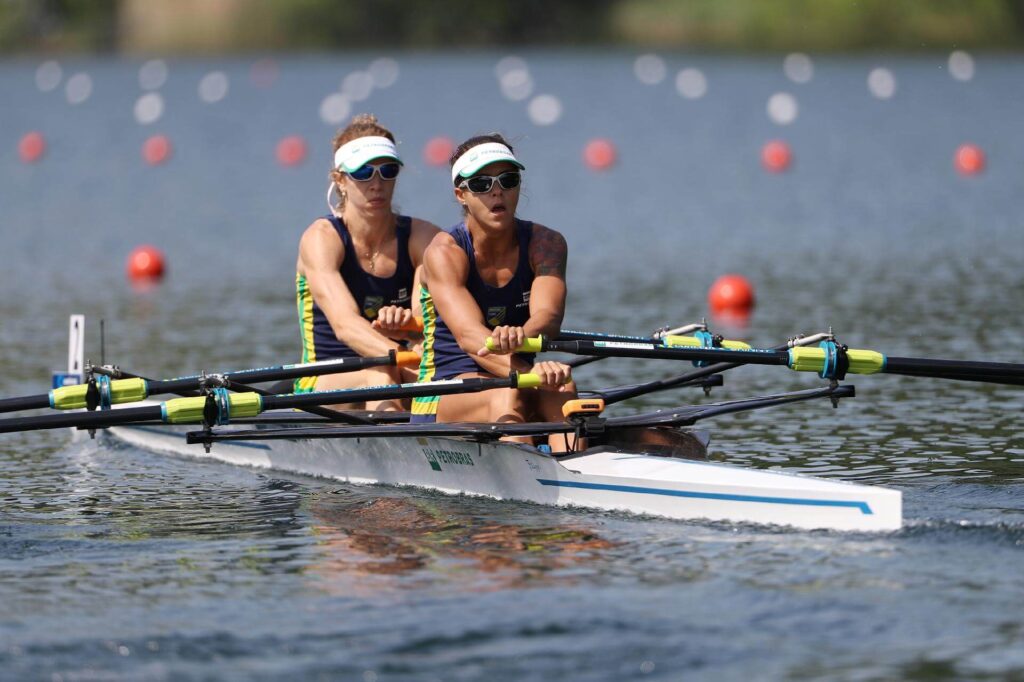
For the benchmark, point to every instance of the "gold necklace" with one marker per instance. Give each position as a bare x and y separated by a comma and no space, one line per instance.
372,257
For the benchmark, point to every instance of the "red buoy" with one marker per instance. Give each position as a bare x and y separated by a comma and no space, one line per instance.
969,159
599,154
438,150
776,156
156,150
145,264
291,150
31,147
731,294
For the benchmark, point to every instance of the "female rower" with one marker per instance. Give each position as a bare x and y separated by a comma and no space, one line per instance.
492,275
359,265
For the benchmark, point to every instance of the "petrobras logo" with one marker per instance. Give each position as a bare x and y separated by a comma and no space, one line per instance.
496,315
371,306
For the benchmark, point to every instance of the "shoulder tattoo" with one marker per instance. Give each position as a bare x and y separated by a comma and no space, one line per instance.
549,253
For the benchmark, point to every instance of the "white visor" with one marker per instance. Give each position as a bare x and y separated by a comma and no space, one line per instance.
475,158
356,153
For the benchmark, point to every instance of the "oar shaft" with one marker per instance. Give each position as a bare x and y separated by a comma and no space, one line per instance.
652,351
303,400
28,402
86,420
970,370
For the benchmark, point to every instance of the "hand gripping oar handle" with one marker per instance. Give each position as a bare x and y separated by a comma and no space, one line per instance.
233,405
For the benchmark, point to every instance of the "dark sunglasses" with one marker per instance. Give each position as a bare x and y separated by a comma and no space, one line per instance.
387,171
481,184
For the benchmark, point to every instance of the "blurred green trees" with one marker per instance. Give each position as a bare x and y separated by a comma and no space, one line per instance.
316,25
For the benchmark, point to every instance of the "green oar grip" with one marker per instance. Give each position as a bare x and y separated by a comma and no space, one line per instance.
121,391
804,359
190,410
528,380
532,345
674,340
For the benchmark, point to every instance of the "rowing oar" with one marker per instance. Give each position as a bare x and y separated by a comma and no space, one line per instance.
829,360
701,338
220,406
105,392
679,416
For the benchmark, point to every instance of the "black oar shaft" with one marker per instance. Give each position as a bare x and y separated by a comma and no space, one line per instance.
303,400
969,370
86,420
652,351
28,402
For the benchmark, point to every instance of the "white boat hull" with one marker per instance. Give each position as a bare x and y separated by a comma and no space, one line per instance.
603,479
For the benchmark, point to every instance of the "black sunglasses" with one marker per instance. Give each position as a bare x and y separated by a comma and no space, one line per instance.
481,184
387,171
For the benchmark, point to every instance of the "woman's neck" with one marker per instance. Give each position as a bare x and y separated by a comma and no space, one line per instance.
369,228
490,241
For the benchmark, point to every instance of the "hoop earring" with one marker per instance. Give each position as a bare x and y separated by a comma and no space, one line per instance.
332,190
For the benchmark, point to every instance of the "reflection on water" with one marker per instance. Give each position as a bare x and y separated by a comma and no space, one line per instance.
383,543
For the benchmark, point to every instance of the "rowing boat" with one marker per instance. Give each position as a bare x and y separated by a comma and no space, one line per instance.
668,478
650,463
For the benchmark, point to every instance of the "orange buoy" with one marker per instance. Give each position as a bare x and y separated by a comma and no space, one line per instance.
776,156
31,147
731,294
145,263
291,150
156,150
438,150
969,159
599,154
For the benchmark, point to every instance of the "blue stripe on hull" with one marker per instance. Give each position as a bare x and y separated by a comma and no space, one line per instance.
862,506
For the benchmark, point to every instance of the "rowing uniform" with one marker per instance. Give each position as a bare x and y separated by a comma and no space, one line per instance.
508,305
370,292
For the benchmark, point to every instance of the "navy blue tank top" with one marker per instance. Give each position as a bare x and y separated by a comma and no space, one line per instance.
508,305
370,292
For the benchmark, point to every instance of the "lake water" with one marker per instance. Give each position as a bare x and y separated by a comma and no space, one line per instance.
117,563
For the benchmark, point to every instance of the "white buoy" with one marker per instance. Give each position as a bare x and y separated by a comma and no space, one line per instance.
782,108
213,87
961,65
357,85
650,69
149,108
153,74
882,83
691,83
798,67
78,88
335,108
544,110
48,76
384,72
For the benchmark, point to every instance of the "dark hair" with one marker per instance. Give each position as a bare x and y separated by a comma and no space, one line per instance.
474,141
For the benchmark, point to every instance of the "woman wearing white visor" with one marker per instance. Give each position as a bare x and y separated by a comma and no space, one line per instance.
358,266
492,275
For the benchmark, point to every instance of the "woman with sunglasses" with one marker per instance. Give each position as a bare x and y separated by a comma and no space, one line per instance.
358,266
492,275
